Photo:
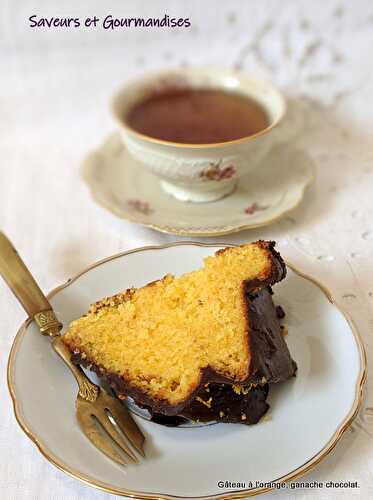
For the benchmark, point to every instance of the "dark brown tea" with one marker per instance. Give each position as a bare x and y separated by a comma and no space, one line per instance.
198,116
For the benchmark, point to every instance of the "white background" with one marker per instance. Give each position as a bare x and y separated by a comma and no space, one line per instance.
55,87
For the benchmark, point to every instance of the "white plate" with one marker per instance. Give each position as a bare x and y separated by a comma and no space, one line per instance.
307,416
119,183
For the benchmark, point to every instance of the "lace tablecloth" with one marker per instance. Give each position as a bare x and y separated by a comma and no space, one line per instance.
55,87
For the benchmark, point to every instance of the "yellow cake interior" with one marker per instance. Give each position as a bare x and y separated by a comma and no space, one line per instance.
159,337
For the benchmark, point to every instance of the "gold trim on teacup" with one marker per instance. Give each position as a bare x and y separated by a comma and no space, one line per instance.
154,140
303,469
121,121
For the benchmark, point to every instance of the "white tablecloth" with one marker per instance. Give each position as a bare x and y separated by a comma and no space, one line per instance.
55,86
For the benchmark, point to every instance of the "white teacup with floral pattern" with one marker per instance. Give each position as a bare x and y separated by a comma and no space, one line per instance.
199,172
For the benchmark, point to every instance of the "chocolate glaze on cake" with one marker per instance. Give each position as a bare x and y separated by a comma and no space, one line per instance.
222,403
270,362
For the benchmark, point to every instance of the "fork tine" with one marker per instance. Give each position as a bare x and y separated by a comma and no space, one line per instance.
109,427
90,429
125,422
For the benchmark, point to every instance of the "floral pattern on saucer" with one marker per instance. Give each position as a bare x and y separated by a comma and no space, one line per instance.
139,206
254,207
120,184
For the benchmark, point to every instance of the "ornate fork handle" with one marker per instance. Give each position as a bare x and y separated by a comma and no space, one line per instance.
25,288
93,406
87,389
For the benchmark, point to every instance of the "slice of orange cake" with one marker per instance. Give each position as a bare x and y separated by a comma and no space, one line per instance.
169,343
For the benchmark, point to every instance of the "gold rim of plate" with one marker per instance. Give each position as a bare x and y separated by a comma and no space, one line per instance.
298,472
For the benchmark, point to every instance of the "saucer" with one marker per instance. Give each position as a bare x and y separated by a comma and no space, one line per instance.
120,184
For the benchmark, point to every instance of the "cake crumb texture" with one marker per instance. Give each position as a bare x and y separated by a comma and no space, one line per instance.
160,337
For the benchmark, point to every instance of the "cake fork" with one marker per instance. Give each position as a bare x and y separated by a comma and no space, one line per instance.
105,421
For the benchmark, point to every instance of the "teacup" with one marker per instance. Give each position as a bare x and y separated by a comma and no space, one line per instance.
199,172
